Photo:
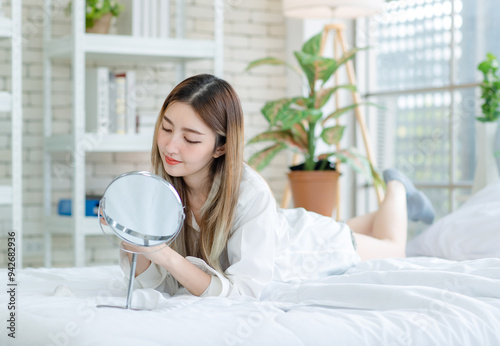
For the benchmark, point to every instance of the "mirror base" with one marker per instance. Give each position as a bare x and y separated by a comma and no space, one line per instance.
122,307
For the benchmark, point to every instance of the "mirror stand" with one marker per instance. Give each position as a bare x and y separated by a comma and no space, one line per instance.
133,265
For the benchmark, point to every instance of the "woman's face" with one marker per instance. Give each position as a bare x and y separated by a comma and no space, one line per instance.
186,144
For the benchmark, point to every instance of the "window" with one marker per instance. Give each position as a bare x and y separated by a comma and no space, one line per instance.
422,69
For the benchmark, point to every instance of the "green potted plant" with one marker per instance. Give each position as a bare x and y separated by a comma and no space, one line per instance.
487,133
300,123
98,14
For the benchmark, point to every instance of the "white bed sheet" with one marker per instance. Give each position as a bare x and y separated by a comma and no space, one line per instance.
413,301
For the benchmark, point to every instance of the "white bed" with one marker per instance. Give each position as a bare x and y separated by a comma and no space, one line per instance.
412,301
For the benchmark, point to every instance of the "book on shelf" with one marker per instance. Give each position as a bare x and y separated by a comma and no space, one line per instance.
120,102
97,98
144,18
110,101
131,99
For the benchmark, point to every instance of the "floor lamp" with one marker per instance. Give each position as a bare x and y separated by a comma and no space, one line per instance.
337,9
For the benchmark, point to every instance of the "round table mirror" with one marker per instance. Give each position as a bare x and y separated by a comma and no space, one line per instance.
142,209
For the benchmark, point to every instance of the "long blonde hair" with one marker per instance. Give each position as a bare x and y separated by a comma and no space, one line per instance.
218,105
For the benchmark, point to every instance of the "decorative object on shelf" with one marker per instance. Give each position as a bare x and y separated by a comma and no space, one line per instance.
98,14
141,209
91,206
487,132
293,124
145,18
110,101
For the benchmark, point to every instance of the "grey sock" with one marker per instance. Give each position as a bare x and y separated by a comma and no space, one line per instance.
393,174
419,207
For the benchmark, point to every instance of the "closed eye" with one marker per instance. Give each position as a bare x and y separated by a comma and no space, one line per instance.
187,140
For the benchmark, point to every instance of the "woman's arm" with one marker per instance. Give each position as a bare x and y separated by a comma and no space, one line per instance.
195,280
142,262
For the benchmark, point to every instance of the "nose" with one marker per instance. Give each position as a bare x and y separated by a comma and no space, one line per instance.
172,145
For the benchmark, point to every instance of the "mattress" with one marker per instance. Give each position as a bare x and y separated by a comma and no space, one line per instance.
411,301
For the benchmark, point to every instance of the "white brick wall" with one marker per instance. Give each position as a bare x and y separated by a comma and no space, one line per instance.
253,29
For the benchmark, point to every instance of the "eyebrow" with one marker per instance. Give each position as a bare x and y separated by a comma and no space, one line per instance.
187,129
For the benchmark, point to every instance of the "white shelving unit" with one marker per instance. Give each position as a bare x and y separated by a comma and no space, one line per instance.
11,102
78,47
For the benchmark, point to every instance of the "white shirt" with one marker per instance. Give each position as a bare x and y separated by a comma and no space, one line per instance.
266,244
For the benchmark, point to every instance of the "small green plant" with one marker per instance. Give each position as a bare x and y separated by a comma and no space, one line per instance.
95,9
300,123
490,89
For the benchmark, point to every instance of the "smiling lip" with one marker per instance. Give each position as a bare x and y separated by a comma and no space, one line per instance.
171,161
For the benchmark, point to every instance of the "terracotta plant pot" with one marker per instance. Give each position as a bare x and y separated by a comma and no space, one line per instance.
101,26
315,190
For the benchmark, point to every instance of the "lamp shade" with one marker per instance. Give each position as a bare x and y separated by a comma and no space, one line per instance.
331,8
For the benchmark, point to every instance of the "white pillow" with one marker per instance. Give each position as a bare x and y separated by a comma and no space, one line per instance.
471,232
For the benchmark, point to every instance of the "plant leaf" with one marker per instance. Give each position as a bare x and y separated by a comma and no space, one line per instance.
316,67
272,109
301,101
271,61
331,66
300,134
306,62
325,68
313,45
333,135
355,160
287,118
265,61
338,112
350,54
261,159
324,95
377,178
285,137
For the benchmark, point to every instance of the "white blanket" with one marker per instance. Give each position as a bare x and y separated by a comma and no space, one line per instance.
414,301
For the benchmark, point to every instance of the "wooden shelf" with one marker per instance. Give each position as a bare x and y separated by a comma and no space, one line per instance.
122,48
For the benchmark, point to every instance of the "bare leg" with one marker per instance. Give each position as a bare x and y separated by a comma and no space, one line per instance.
362,224
383,234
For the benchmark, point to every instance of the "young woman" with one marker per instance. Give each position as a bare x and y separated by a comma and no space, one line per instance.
235,240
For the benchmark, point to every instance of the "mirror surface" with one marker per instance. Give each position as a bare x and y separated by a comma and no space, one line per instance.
142,209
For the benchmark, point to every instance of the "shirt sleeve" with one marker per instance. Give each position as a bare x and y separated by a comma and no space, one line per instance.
250,249
154,276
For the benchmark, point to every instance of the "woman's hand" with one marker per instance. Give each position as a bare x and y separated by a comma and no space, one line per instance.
154,253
